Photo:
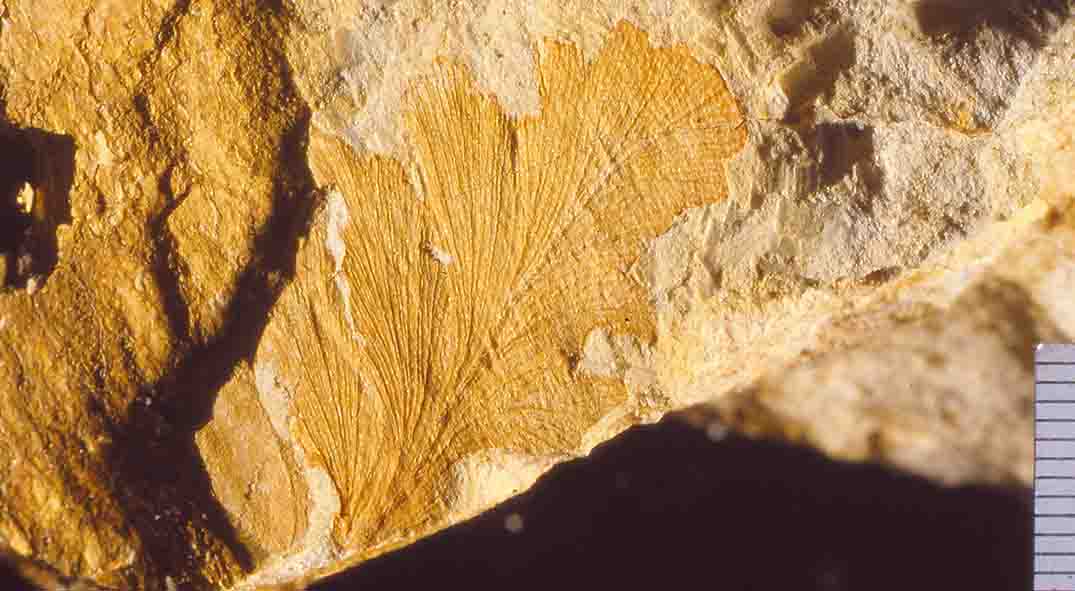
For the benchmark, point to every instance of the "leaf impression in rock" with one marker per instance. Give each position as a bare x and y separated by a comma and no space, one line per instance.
440,306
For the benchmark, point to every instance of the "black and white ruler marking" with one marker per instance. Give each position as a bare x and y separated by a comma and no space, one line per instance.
1054,468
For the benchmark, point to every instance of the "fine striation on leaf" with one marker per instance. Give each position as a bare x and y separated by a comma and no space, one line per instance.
450,319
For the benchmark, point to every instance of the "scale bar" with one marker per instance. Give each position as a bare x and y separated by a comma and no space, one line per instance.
1055,372
1055,430
1063,392
1054,468
1055,564
1057,506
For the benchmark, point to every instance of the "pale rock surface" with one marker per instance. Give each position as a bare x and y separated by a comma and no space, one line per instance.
886,228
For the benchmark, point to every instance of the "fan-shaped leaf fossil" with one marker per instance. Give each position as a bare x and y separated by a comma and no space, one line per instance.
436,313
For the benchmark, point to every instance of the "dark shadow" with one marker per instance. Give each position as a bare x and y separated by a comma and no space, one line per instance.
11,576
665,507
165,265
817,72
843,146
786,18
1032,21
882,275
160,476
46,162
1025,322
157,457
24,574
14,221
715,10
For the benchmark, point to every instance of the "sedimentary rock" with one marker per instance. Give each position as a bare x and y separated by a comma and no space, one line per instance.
287,285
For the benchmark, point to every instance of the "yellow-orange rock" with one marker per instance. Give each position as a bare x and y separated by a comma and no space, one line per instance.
286,285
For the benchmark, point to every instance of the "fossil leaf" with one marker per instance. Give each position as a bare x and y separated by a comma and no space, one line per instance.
437,314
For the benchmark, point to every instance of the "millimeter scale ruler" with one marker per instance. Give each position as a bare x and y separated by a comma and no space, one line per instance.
1054,468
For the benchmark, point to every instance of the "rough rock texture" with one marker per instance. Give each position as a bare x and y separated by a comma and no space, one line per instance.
289,284
167,195
424,339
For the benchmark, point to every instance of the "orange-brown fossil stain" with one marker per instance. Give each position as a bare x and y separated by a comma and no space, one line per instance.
434,357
